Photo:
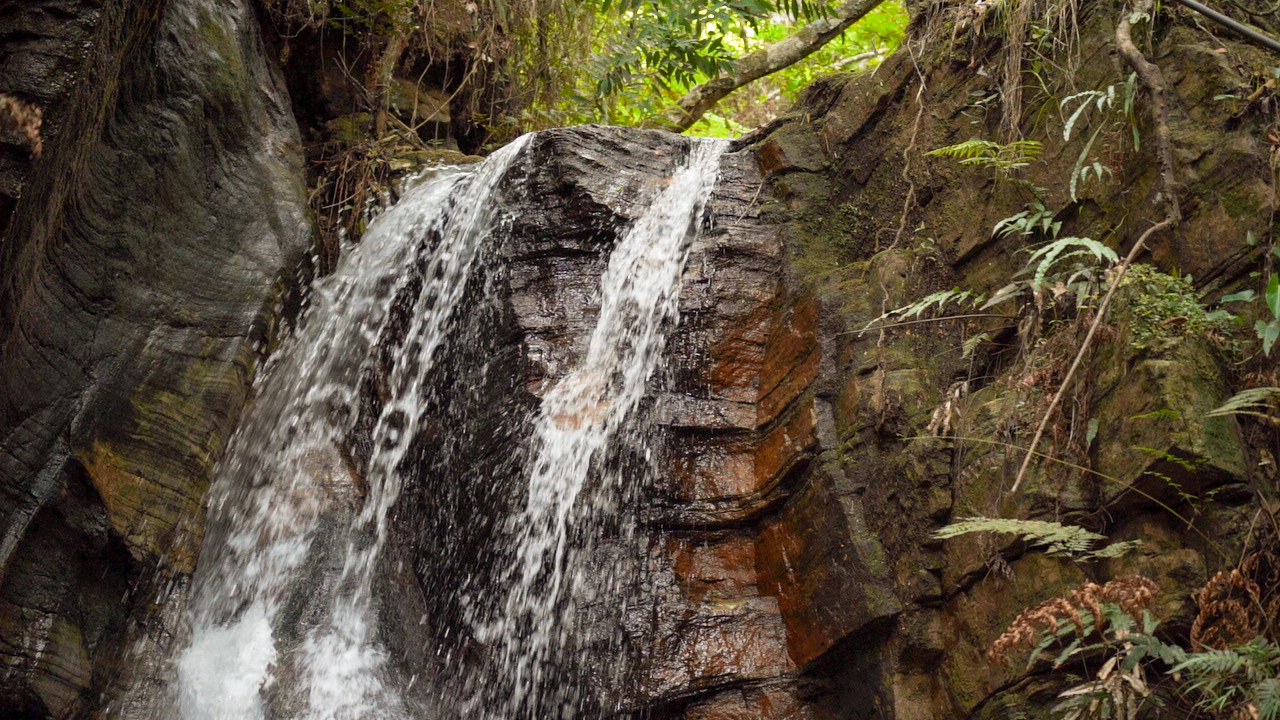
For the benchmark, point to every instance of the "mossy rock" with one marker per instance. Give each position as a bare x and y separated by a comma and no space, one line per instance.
1153,440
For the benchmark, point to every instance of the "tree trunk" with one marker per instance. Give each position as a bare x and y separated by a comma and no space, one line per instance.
765,61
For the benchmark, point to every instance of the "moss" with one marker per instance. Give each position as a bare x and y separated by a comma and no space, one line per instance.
1240,202
1162,309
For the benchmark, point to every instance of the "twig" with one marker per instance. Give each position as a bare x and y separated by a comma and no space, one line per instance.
1151,77
1121,269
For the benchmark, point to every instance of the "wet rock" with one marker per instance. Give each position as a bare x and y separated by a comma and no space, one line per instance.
144,272
751,703
910,436
42,43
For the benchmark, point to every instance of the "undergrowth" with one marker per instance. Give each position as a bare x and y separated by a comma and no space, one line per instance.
1226,667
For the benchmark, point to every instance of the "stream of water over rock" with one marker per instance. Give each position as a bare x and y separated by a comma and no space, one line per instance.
283,613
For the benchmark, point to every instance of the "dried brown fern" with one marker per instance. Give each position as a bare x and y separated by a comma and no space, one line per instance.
27,117
1226,618
1239,605
353,183
1132,595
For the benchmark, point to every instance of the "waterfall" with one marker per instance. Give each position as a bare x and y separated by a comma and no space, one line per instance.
580,415
283,615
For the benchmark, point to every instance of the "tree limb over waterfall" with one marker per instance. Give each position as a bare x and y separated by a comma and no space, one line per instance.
765,61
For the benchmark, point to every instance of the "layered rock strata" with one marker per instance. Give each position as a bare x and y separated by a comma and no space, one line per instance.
144,272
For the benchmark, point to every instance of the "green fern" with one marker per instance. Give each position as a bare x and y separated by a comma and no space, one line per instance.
935,301
1035,218
1254,401
1099,99
985,153
1227,680
1058,540
1216,662
1267,694
1045,259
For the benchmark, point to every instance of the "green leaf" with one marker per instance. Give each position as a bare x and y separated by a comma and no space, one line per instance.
1269,332
1080,161
968,347
1247,402
1267,693
1046,257
1273,295
1242,296
1057,539
1066,653
938,300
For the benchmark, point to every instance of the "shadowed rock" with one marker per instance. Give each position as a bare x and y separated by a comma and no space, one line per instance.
145,270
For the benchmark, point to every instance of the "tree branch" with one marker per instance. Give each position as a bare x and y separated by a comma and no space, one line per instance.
765,61
1153,80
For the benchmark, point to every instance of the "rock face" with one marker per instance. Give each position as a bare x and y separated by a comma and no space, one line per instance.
144,271
924,432
42,50
742,541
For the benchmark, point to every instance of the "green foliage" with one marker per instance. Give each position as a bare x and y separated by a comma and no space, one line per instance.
1120,687
1100,100
1237,682
1104,101
1056,539
985,153
645,54
1034,219
934,301
1167,307
1259,402
1196,501
1109,628
1225,681
1269,330
1046,265
1046,262
860,48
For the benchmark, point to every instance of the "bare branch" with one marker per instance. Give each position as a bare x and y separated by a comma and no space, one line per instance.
765,61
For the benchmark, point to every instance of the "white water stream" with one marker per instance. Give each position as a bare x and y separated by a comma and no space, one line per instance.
286,476
580,416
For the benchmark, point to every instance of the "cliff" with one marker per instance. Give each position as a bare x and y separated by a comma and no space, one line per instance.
155,249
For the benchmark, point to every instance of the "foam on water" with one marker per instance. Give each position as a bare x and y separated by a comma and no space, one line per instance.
270,494
223,671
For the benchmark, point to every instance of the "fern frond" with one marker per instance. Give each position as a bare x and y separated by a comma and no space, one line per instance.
1248,402
968,150
1058,540
1207,662
1099,99
1043,260
976,151
1115,550
935,301
970,345
1267,695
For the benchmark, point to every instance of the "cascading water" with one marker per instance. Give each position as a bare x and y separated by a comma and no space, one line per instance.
279,477
580,416
283,612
